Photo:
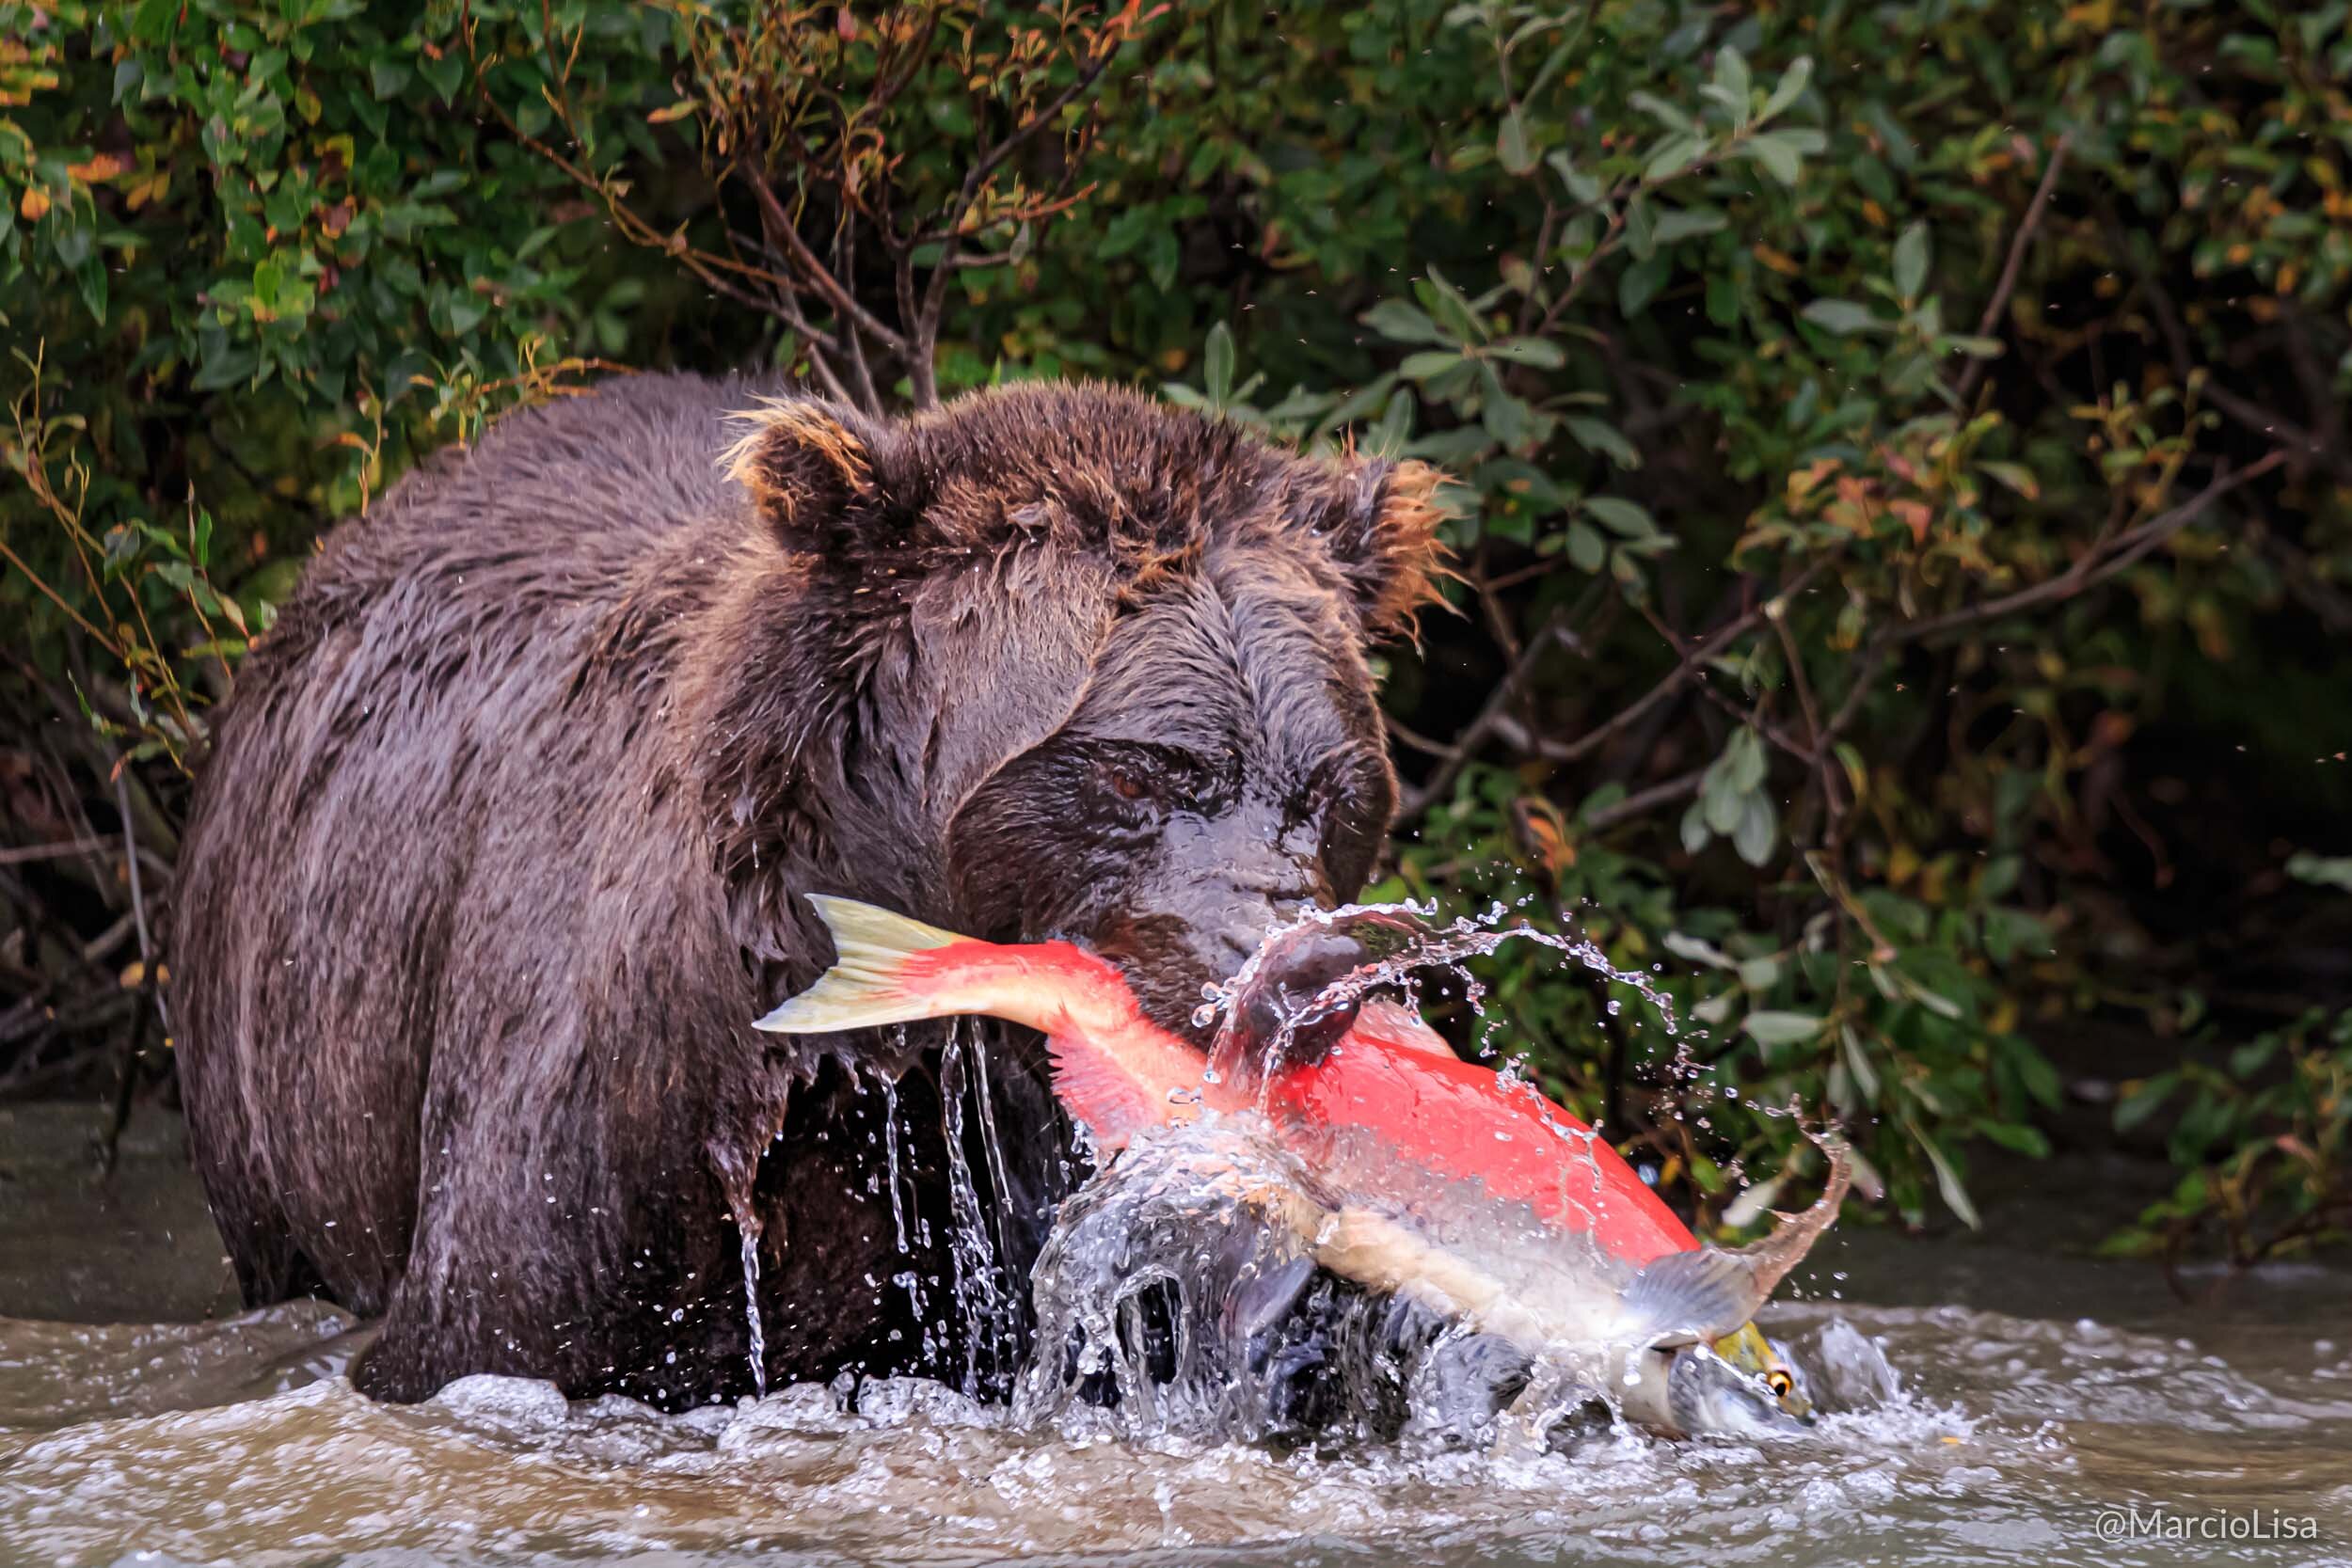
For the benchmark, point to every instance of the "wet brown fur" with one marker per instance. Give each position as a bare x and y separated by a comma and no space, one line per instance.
499,851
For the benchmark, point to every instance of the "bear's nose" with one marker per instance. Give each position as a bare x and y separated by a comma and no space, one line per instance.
1282,1011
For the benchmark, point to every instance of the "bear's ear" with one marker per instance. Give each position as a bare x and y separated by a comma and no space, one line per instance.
808,468
1383,535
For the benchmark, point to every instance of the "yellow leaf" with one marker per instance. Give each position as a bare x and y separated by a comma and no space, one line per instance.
34,205
104,166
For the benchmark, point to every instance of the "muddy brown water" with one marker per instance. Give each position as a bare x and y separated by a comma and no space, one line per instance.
2051,1409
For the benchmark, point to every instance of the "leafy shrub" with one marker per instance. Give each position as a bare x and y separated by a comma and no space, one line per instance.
1902,472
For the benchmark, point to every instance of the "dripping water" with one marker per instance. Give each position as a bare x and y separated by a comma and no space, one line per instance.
992,1146
979,1304
906,1278
750,1309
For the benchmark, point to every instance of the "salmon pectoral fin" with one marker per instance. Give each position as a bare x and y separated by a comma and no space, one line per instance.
866,986
1107,1099
1685,1297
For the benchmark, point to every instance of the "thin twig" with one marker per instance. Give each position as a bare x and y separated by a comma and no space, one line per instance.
921,359
1498,702
131,860
1644,800
1692,657
61,849
1824,765
2007,285
2090,571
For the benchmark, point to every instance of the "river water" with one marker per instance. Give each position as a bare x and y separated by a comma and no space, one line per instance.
2046,1408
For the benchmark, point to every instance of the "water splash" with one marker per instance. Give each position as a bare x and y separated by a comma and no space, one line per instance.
1418,944
979,1301
1178,1295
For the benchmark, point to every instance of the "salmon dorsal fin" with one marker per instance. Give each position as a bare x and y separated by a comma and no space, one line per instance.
1703,1294
863,989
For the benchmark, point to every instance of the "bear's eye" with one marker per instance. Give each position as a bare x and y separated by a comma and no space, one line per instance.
1126,784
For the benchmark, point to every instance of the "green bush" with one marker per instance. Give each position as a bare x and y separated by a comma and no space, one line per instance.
1889,439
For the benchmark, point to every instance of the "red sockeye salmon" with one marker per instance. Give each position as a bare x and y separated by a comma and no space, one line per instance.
1389,1091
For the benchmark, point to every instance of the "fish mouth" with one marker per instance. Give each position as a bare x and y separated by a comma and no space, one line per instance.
1709,1396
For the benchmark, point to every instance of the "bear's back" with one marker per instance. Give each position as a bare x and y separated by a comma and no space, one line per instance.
558,512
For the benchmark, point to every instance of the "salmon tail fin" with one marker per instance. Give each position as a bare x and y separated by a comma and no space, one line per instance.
1703,1294
866,986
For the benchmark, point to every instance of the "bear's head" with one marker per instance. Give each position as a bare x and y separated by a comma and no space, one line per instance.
1062,662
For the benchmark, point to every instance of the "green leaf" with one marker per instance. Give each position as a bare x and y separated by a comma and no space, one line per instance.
1216,365
1580,185
1587,550
1429,363
1770,1027
1911,262
1511,146
2248,1059
1744,760
1639,283
1782,153
1528,351
1723,803
1946,1180
1446,303
1403,323
2141,1100
446,74
1601,437
1664,113
386,77
2016,476
1623,517
1843,317
1732,81
2016,1138
1674,223
1671,156
1791,85
230,367
1858,1062
2321,870
1696,951
1754,835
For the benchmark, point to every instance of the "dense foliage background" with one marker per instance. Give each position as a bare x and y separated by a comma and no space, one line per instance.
1902,515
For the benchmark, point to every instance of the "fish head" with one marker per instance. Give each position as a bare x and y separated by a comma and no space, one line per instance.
1223,771
1709,1394
1750,1352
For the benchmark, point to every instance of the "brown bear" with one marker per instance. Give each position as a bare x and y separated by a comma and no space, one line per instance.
501,847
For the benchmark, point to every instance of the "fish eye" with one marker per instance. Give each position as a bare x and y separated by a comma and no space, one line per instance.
1779,1381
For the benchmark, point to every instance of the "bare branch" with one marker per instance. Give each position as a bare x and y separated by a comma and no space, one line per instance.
1498,701
2017,246
2093,569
